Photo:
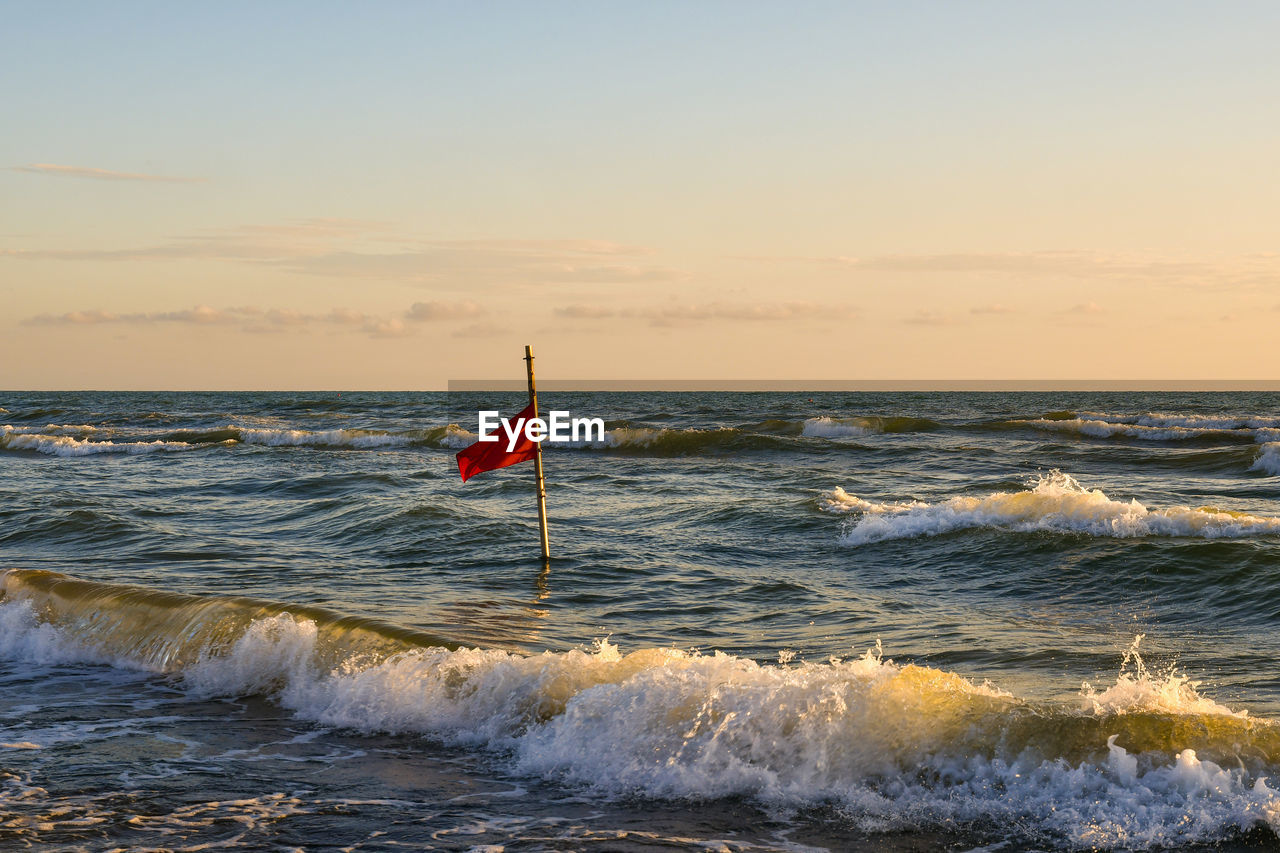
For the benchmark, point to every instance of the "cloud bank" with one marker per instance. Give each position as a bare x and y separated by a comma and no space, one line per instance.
101,174
1259,269
357,249
677,314
256,319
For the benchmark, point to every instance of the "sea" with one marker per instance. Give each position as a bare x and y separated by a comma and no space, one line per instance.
772,621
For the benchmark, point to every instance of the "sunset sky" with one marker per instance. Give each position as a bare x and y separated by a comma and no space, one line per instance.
390,195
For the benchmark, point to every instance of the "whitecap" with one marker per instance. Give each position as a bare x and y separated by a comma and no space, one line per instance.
1055,502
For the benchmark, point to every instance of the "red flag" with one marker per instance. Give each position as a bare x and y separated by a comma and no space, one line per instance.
489,455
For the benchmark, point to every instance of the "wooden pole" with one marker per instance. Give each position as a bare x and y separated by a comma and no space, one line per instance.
537,463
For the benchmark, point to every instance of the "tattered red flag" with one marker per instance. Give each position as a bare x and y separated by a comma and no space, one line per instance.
490,455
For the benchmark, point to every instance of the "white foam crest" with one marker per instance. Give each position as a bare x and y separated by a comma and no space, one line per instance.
886,743
1107,429
893,746
1218,422
457,438
631,437
23,637
1140,804
720,725
636,437
324,438
1153,423
825,427
1055,502
50,429
1268,459
1137,689
678,723
468,695
272,654
66,445
1176,419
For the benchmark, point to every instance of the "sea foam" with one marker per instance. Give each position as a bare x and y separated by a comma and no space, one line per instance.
364,439
1157,426
1097,428
828,427
1268,459
837,427
1192,421
892,746
1055,502
12,438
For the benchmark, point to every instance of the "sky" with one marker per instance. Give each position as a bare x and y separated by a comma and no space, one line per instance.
390,195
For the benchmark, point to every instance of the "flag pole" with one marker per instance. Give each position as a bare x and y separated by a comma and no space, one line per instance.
537,462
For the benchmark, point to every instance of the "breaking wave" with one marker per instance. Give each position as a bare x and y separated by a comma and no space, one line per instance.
52,429
85,440
324,438
1164,427
1166,420
88,622
1148,761
1107,429
623,436
1159,427
826,427
677,442
55,444
1268,459
1055,502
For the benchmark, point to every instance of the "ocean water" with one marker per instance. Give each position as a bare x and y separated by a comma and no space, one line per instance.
774,621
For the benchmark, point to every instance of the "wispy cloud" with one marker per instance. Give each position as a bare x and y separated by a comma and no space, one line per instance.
930,318
1064,263
992,308
255,319
592,312
201,315
1252,270
683,313
249,243
101,174
1088,309
481,330
374,250
433,311
464,265
389,327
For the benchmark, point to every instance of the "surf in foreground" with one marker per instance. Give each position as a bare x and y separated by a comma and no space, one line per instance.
1147,761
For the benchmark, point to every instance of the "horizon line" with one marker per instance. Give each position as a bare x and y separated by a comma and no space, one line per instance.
869,385
694,385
